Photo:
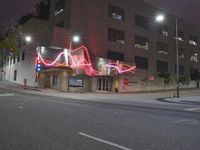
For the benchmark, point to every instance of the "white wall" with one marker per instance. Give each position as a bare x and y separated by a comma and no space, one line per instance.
25,69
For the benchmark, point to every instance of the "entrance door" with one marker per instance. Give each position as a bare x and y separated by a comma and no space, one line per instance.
47,81
103,84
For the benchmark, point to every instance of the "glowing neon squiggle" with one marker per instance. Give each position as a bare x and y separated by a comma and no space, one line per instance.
77,63
120,71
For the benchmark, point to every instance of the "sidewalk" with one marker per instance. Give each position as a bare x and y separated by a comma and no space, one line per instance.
51,92
185,99
148,97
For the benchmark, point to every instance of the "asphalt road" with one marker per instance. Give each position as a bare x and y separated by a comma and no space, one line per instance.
30,122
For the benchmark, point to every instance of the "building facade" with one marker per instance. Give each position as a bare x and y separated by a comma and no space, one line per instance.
117,35
19,65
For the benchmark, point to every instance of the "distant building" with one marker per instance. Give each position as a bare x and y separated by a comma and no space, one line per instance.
116,36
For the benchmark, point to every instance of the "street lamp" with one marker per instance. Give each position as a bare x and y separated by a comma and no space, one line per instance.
74,39
28,38
161,18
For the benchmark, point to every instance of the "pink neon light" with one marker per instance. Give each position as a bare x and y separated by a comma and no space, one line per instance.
120,71
85,63
50,64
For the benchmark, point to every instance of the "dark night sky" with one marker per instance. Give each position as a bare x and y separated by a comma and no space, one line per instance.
188,9
13,9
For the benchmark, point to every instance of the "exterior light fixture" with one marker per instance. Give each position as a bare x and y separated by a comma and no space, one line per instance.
76,38
160,18
28,38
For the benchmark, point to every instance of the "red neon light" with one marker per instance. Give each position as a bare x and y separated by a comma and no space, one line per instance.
85,63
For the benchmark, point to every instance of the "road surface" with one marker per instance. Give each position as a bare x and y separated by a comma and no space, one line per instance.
34,122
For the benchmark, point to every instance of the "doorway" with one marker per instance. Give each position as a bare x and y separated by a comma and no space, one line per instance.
103,84
47,81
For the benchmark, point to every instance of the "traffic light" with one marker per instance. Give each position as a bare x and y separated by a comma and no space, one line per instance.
38,65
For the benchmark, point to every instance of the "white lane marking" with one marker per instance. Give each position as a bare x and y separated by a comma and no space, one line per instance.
190,121
20,107
193,109
5,95
104,141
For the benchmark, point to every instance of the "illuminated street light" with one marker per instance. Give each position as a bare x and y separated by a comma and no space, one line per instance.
161,18
76,38
28,38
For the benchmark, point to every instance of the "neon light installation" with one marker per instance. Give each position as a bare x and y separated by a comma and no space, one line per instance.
79,59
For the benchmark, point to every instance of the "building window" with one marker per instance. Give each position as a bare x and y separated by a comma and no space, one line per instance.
181,36
162,67
181,69
11,60
181,53
60,24
193,72
54,80
23,55
162,48
141,21
193,40
18,57
59,7
163,30
115,55
115,35
141,62
76,81
19,42
116,13
15,75
14,59
1,64
194,57
7,61
23,43
141,42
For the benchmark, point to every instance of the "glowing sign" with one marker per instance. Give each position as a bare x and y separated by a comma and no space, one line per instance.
79,60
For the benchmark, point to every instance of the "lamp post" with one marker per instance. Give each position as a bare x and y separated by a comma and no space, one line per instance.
74,39
161,18
29,39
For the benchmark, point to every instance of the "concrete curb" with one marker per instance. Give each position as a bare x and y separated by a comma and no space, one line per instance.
183,100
